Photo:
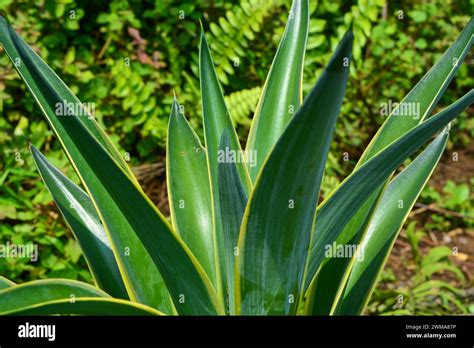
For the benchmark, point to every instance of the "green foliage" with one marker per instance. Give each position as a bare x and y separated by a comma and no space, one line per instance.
424,293
93,65
392,49
231,34
25,215
257,215
133,103
457,201
363,15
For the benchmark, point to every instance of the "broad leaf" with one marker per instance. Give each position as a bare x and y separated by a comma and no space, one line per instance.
282,93
216,116
276,229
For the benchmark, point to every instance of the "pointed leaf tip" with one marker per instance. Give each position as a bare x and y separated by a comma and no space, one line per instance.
33,149
202,37
174,107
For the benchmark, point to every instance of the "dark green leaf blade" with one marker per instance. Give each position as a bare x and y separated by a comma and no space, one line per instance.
426,93
276,229
216,117
80,214
233,200
26,295
282,93
216,120
89,306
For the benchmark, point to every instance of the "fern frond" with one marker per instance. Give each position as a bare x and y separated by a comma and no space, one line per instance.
242,105
239,26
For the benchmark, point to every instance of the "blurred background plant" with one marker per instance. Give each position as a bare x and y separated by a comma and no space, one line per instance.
128,57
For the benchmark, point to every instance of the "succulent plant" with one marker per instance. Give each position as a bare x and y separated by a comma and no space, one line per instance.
246,235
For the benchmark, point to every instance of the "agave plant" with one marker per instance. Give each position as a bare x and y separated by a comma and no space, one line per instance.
246,234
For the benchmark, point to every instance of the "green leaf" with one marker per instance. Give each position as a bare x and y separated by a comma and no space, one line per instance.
437,284
459,195
428,270
418,16
216,120
26,295
336,211
233,200
5,283
282,92
60,296
276,229
89,306
188,190
392,211
425,95
436,254
216,117
51,94
80,214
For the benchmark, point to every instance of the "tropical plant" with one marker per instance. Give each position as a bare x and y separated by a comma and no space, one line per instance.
246,234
